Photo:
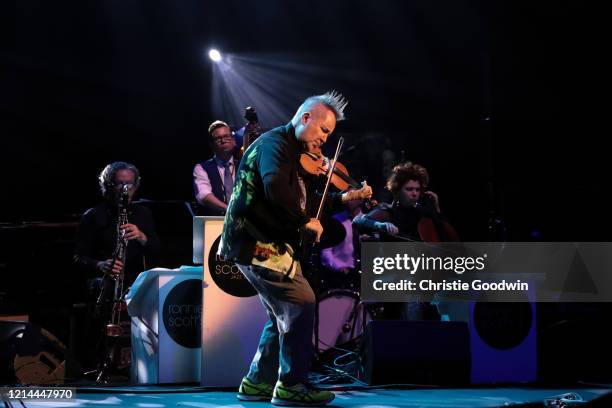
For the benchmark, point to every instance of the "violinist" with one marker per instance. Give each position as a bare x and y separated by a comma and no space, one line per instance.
412,203
266,214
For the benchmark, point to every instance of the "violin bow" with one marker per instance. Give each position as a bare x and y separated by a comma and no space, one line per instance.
330,172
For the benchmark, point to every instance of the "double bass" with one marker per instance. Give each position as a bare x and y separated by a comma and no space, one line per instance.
252,130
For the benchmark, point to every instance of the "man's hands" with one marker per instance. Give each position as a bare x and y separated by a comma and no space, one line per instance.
105,267
211,201
133,232
387,227
434,199
364,193
314,227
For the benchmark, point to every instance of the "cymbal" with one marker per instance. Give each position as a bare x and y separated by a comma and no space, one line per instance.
333,232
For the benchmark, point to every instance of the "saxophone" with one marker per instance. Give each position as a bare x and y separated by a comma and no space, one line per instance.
113,328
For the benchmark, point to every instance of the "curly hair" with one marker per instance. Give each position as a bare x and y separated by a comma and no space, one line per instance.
107,176
405,172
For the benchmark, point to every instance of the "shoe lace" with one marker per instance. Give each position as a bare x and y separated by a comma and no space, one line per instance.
306,387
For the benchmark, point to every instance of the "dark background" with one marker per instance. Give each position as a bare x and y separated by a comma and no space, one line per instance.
86,84
499,100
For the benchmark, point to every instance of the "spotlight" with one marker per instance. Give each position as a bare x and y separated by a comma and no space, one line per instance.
214,55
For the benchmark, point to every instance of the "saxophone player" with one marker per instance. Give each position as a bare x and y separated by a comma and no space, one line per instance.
97,234
100,230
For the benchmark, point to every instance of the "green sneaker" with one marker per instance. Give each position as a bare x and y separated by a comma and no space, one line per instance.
300,395
249,391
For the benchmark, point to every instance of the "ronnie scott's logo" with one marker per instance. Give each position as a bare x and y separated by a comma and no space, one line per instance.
227,276
183,313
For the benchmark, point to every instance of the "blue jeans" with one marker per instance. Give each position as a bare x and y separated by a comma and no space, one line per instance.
285,348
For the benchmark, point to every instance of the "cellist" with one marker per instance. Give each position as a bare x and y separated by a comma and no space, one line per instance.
414,214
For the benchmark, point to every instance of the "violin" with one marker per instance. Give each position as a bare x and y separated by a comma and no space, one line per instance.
318,165
314,163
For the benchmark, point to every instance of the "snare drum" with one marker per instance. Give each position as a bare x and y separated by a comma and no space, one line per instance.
341,318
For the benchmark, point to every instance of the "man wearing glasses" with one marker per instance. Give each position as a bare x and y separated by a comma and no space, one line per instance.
97,235
96,243
213,179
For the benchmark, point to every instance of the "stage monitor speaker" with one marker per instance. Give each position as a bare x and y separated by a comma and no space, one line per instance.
416,352
30,355
503,332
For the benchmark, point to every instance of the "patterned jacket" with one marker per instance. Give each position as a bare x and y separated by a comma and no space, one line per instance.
265,204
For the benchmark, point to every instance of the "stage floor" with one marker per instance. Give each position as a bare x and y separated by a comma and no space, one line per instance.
170,396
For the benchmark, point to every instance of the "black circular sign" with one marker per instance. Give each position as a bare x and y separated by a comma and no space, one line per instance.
503,325
226,274
182,313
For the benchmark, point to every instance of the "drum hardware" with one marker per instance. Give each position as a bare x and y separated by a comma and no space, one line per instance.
342,320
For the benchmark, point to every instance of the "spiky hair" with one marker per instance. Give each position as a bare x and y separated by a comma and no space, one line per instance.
334,100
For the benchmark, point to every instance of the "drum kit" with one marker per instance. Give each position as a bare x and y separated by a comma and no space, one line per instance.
342,318
341,315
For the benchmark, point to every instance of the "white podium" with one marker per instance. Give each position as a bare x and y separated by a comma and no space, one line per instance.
165,306
232,315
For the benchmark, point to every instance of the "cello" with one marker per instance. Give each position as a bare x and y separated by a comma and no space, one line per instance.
432,227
